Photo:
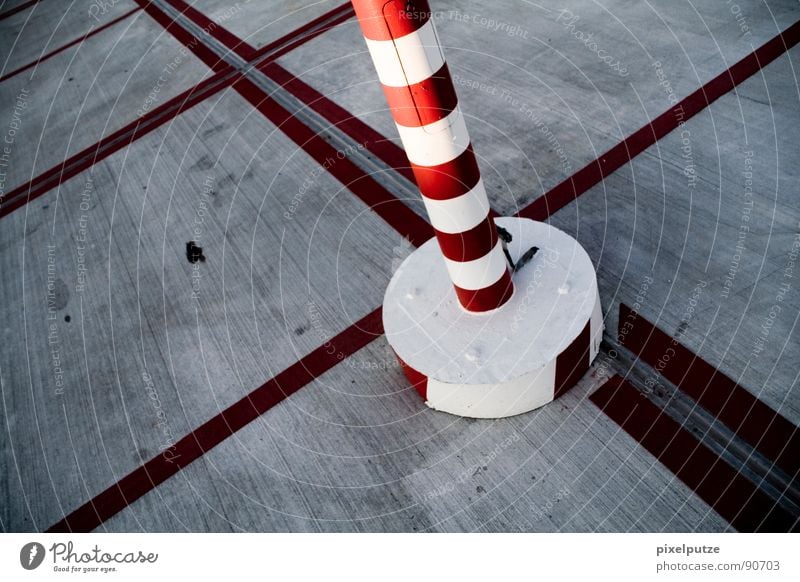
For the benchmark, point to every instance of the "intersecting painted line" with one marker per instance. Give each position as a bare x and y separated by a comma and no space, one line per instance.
223,35
141,481
61,49
277,106
85,159
733,496
753,421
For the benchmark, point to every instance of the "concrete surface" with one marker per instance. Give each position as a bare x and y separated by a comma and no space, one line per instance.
116,345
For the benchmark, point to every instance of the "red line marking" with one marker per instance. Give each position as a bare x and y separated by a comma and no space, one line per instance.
730,494
425,102
198,442
246,51
381,201
304,34
20,8
85,159
591,174
190,41
418,380
393,155
108,145
766,430
594,172
219,32
140,482
51,54
217,429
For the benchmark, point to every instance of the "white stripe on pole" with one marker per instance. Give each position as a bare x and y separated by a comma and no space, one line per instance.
480,273
436,143
418,52
458,214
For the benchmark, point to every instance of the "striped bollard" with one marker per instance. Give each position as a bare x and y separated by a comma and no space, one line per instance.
423,102
484,350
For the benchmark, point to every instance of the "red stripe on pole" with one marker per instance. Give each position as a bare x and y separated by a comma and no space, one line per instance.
468,245
488,298
753,421
374,142
573,362
727,491
425,102
389,20
449,180
98,509
305,33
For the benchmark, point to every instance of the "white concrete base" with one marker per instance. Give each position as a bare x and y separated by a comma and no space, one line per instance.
511,360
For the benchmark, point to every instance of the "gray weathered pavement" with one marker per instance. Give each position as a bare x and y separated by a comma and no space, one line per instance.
114,345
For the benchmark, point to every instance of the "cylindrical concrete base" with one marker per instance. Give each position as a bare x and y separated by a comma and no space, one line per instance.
504,362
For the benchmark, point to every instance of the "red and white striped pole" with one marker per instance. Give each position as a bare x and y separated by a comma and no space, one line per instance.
406,52
538,341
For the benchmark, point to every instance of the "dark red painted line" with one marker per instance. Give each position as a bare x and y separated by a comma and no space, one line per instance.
383,148
219,32
20,8
190,41
308,31
217,429
765,429
83,160
734,497
108,145
291,40
386,150
381,201
373,141
51,54
636,143
590,175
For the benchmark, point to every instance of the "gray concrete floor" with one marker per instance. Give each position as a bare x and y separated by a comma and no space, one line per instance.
31,34
99,368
